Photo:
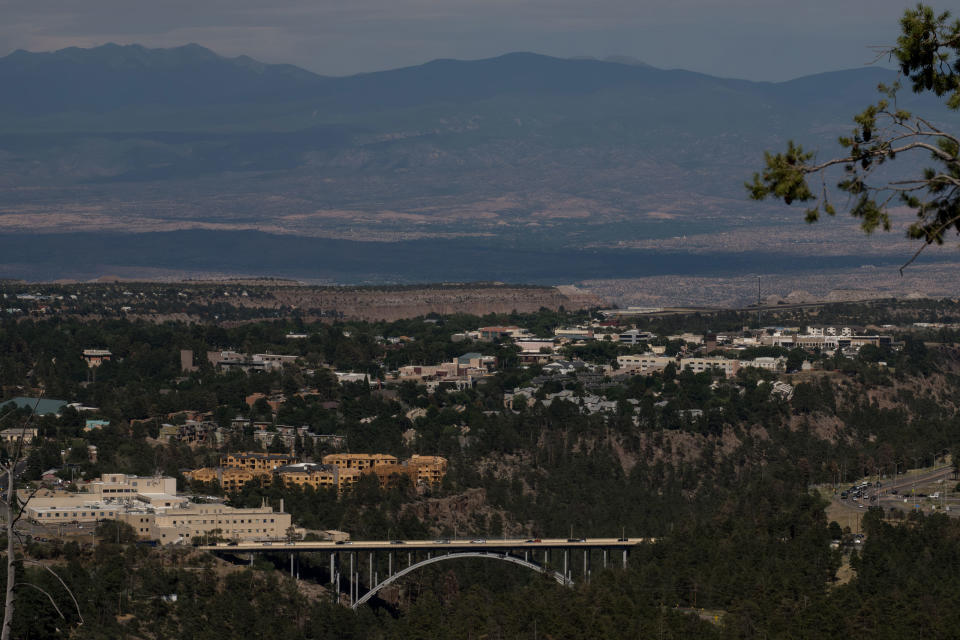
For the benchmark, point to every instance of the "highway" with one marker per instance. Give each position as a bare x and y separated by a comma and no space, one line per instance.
477,544
897,492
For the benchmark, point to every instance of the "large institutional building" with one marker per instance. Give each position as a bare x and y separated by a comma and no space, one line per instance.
150,505
200,520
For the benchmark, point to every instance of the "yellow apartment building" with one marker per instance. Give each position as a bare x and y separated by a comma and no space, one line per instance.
230,479
256,461
359,461
319,476
388,473
422,470
428,469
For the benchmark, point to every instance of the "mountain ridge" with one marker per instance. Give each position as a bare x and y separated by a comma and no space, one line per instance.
113,76
521,151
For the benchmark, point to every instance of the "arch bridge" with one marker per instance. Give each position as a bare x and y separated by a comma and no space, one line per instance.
554,557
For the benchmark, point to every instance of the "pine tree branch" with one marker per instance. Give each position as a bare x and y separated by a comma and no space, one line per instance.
928,241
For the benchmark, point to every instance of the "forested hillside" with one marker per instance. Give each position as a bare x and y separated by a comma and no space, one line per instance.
733,476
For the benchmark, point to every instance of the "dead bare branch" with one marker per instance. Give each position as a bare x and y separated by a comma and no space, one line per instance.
49,597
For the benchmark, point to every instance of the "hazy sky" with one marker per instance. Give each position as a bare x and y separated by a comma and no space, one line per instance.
755,39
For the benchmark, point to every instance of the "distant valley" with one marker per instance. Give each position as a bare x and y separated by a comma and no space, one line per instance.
522,168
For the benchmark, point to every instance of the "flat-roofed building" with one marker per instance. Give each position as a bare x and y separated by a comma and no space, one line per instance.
102,499
644,361
230,360
429,469
16,434
635,336
574,333
766,362
121,485
199,520
358,461
389,473
229,479
651,362
256,461
96,357
319,476
699,365
422,471
155,514
72,508
488,334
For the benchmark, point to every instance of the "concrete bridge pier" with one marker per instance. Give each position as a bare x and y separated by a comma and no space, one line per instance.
351,578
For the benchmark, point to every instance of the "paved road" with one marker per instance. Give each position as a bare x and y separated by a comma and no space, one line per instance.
477,544
903,485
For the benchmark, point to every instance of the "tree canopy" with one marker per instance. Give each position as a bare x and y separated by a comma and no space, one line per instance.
928,56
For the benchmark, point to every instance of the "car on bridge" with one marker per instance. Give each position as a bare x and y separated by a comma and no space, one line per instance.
479,541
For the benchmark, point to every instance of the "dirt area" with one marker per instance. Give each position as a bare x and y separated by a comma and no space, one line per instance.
845,573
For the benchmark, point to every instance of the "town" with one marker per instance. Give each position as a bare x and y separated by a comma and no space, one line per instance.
302,446
296,417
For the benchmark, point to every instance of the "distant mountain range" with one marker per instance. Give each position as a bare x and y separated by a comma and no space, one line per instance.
113,77
521,150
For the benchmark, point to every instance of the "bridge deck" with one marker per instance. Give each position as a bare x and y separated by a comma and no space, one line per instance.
431,545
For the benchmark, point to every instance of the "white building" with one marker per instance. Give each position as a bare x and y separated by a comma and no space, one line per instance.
635,336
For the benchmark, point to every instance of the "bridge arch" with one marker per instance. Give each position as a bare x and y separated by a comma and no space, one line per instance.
504,557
